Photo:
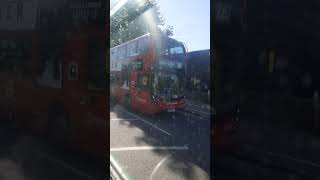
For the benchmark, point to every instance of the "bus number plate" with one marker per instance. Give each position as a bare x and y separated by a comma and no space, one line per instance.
171,110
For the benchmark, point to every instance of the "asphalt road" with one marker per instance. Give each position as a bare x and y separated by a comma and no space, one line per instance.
166,146
269,148
31,158
228,167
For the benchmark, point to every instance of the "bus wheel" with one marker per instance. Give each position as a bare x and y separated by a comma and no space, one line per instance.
57,127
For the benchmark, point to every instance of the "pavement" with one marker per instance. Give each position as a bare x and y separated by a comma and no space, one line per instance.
165,146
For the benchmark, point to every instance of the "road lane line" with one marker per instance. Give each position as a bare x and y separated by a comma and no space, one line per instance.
200,107
67,166
190,114
158,165
201,112
113,173
120,119
118,169
190,104
137,148
150,124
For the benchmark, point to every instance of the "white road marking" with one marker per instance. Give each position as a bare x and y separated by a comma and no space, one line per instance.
190,104
67,166
201,112
158,165
114,174
148,148
203,106
197,116
123,119
150,124
117,168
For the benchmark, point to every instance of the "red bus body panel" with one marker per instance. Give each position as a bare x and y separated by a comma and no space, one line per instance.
32,100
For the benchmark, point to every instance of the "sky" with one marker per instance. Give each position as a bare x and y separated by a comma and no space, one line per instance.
190,20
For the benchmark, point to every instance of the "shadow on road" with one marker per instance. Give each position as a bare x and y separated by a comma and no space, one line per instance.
180,161
26,156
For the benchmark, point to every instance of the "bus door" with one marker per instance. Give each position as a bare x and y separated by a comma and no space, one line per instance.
142,95
98,106
75,91
85,91
133,84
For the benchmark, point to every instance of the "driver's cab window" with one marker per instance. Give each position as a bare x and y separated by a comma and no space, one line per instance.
143,82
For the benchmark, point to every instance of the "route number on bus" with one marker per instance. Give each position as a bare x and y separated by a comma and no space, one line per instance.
222,12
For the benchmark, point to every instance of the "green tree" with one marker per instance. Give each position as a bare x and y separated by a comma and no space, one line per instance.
129,24
169,30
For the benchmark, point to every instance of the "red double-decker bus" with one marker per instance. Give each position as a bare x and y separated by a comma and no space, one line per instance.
148,73
56,85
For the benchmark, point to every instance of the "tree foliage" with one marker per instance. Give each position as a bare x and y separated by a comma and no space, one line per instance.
124,28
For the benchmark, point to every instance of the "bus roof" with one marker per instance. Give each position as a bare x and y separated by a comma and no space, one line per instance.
148,34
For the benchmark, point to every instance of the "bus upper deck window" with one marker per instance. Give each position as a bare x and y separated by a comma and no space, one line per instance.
143,45
132,48
176,50
123,51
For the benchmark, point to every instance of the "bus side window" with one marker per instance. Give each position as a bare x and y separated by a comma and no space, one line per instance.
117,50
136,65
142,45
50,71
139,65
122,51
113,53
15,55
132,48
